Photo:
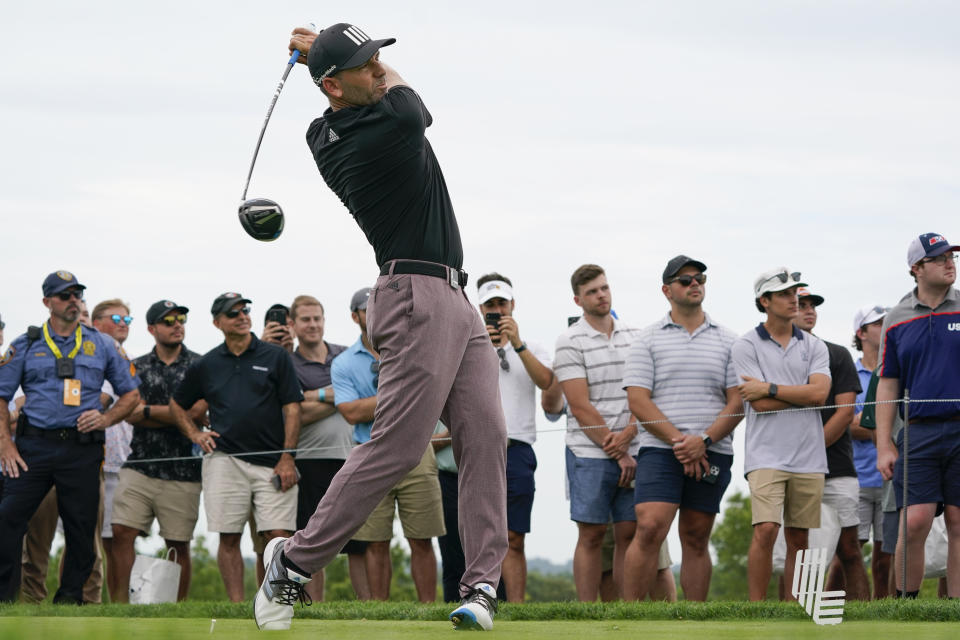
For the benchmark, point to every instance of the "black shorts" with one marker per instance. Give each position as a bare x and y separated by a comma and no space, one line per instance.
315,478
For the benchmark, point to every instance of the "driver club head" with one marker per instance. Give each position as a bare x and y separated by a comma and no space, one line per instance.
261,218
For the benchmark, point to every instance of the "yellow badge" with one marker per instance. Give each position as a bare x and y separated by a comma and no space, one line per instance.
71,392
8,356
89,348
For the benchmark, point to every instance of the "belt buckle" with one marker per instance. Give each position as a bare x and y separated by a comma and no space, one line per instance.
453,277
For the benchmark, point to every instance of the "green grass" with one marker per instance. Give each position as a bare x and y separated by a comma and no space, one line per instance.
91,628
893,610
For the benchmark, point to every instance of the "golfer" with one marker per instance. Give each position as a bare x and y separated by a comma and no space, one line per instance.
436,361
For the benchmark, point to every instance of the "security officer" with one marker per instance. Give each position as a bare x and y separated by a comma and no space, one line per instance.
59,434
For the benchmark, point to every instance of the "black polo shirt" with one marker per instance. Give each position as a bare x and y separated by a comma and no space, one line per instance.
246,394
843,378
378,161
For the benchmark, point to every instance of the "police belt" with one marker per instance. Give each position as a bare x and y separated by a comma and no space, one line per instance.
25,429
456,277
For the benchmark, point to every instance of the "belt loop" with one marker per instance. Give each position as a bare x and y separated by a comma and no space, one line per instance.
393,265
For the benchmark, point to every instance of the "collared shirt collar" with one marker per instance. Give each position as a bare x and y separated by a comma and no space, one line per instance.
953,294
254,342
357,347
668,321
765,335
302,358
180,356
594,332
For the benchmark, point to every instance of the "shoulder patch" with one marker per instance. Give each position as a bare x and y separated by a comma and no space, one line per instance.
8,356
89,348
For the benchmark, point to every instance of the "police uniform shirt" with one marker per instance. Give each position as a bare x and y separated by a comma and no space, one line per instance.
32,365
378,161
246,394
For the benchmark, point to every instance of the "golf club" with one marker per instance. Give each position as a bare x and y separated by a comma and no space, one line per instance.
262,218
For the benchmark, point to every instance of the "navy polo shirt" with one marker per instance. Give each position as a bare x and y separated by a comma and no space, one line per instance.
246,394
921,347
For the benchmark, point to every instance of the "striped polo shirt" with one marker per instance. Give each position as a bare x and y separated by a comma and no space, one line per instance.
791,440
687,374
584,352
921,347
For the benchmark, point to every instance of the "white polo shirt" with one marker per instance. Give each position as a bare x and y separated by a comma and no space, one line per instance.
791,441
688,375
518,393
584,352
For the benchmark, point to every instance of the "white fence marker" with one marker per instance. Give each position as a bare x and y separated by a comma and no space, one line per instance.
809,574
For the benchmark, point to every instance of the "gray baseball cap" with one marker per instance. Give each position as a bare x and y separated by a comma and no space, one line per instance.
359,300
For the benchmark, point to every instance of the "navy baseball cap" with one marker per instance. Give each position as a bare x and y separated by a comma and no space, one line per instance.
159,309
928,245
226,301
341,46
59,281
679,262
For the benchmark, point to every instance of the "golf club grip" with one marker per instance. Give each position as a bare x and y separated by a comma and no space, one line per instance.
266,121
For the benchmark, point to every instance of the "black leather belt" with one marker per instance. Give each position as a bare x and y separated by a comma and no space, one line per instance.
70,433
456,277
936,419
513,443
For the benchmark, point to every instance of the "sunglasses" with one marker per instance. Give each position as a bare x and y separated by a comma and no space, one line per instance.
942,258
233,313
503,359
172,320
117,319
687,280
73,293
783,276
375,370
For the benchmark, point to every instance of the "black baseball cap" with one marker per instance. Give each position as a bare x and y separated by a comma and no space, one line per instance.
341,46
161,308
226,301
678,263
58,281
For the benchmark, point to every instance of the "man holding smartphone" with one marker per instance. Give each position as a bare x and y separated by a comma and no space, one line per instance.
681,384
254,397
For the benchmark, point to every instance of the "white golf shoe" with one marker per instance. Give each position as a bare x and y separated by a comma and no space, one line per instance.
476,609
281,588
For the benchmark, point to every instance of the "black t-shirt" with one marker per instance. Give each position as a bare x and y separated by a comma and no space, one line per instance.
246,394
844,378
378,161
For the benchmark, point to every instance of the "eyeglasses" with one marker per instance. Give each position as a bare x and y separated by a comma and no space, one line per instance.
72,293
117,319
172,320
503,359
233,313
783,276
687,280
375,370
942,258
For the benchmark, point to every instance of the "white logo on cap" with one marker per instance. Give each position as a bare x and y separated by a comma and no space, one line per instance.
168,304
355,34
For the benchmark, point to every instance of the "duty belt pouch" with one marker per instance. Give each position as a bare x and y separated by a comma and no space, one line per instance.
21,423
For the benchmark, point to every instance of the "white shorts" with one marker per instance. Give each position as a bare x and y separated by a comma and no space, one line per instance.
843,494
110,480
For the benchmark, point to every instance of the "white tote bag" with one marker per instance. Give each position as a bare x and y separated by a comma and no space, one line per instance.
155,580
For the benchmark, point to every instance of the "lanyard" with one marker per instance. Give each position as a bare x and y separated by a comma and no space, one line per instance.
55,349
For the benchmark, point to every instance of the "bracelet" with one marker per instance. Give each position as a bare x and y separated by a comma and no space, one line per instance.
146,412
521,348
322,395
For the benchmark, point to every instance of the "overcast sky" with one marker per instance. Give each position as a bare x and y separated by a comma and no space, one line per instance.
748,134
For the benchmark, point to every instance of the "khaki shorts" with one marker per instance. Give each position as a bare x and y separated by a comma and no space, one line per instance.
231,486
417,498
259,540
791,499
138,499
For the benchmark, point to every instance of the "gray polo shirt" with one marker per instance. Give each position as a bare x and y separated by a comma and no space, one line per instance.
688,375
792,440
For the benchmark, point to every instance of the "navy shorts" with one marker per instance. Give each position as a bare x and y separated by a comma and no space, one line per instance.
521,464
660,478
934,464
595,497
891,531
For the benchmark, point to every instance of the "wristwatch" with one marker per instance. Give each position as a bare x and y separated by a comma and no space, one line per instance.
707,440
521,348
773,390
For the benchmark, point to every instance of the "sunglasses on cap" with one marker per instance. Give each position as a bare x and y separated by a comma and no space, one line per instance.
783,276
172,320
117,319
233,313
687,280
70,293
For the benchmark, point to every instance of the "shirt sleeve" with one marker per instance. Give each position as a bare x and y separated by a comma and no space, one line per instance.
731,376
745,363
639,368
846,379
407,107
343,387
118,369
288,386
11,368
190,388
889,360
819,358
568,363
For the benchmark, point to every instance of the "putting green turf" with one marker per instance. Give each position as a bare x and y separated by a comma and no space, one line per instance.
88,628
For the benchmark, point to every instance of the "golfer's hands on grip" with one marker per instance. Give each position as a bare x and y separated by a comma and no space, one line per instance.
300,40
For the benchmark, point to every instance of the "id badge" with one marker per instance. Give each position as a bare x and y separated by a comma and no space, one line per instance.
71,392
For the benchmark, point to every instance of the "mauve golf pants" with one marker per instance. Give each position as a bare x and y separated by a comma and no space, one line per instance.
436,362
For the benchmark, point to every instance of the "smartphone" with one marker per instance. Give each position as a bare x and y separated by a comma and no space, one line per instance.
711,476
492,319
275,480
277,315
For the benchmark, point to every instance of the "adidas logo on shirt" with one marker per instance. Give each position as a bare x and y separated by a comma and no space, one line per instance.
332,136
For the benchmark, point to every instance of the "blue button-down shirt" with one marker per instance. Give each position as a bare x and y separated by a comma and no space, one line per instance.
353,380
33,367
